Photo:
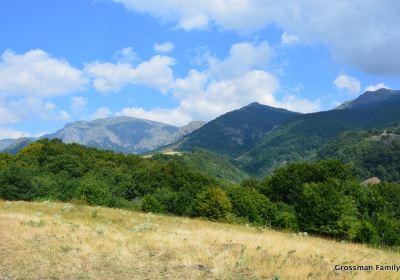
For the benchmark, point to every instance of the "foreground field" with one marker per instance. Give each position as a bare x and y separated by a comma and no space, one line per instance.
65,241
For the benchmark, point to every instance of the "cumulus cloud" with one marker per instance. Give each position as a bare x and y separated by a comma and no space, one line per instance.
102,112
242,57
335,23
226,84
126,55
351,84
155,73
376,87
164,47
36,73
29,109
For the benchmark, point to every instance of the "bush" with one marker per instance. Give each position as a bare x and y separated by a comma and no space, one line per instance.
94,191
151,204
367,233
213,203
285,217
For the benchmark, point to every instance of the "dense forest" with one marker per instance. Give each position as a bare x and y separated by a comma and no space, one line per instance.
322,198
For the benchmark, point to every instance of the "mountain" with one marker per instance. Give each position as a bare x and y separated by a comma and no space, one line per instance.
301,137
119,134
17,144
371,98
237,131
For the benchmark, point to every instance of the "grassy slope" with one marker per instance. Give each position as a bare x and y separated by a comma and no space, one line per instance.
63,241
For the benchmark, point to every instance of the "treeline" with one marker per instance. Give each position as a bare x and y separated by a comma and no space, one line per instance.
322,198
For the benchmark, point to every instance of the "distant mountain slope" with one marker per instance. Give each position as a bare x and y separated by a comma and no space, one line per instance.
17,144
301,137
372,153
235,132
120,134
371,98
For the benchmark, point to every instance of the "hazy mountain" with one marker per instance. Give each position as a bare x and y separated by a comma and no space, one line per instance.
12,146
237,131
120,134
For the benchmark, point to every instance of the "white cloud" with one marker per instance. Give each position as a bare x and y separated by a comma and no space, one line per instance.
164,47
375,87
102,112
155,73
12,134
28,110
242,58
202,99
227,84
126,55
288,39
36,73
298,104
351,84
335,23
78,103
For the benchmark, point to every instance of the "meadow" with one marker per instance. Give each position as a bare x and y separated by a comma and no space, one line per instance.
47,240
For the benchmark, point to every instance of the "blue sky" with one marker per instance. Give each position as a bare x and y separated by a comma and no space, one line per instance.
176,61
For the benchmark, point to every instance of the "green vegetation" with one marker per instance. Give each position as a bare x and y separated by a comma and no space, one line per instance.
300,138
371,153
236,132
219,166
323,198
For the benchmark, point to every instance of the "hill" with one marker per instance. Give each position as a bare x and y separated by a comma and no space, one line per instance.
372,153
301,137
66,241
237,131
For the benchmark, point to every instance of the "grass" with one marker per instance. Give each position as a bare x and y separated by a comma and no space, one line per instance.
64,241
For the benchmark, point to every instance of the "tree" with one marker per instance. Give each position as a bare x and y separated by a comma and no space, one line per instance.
16,183
213,203
326,210
250,204
151,204
94,191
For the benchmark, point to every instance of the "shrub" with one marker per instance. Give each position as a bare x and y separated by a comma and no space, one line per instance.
151,204
285,217
94,191
213,203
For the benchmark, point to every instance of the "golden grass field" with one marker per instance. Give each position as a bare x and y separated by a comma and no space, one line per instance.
64,241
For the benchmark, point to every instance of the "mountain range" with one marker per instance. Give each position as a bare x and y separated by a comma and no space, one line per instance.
253,140
119,134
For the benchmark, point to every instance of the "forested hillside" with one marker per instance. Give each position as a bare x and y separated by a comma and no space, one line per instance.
323,198
300,138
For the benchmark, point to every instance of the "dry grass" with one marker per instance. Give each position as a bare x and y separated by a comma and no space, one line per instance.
63,241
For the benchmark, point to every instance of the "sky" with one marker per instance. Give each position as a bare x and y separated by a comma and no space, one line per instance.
176,61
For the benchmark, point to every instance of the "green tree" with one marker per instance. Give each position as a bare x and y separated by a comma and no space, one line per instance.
326,210
94,191
213,203
151,204
250,204
16,183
